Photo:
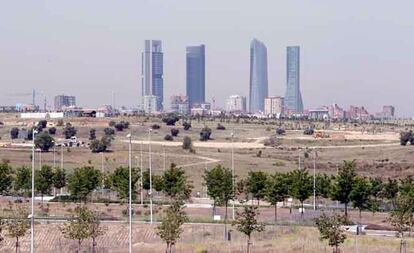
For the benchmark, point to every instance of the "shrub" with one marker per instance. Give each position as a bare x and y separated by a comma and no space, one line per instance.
60,122
220,127
186,126
111,123
174,132
280,131
42,123
14,133
205,134
187,143
92,134
308,131
168,138
109,131
69,131
155,126
170,120
271,142
44,141
52,130
406,137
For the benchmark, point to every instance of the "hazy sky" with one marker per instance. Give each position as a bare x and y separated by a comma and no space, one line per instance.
352,52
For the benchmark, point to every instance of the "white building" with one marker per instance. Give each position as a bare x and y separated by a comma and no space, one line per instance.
236,103
149,104
179,104
273,106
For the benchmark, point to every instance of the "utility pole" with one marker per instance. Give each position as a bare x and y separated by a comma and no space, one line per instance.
314,179
34,132
232,171
150,172
129,136
141,181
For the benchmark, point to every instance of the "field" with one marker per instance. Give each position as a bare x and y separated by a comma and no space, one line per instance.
376,149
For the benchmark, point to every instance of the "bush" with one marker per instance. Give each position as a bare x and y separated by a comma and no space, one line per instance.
44,141
308,131
60,122
406,137
42,123
69,131
52,130
205,134
14,133
155,126
174,132
109,131
187,143
98,146
220,127
120,126
168,138
111,123
186,126
271,142
92,134
280,131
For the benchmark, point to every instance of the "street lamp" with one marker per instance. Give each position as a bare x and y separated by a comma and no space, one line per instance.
54,154
129,136
314,178
34,132
232,169
150,171
141,168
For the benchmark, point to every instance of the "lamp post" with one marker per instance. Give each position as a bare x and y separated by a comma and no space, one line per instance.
54,154
141,176
232,169
150,171
34,132
129,136
314,179
163,148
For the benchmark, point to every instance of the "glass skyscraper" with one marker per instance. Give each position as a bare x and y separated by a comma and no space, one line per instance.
293,96
152,71
258,76
195,61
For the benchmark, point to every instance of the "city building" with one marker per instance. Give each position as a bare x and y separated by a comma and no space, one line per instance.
358,113
336,112
152,71
293,96
179,104
236,103
273,106
388,112
62,101
319,113
150,104
258,76
195,86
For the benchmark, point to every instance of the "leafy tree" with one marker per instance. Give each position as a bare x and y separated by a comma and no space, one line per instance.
170,228
187,143
170,120
360,194
92,134
323,185
59,178
44,141
83,181
98,146
308,131
168,137
301,187
256,184
119,181
83,225
280,131
52,130
175,132
44,180
17,225
155,126
6,178
186,126
390,191
146,180
246,223
330,229
119,126
205,134
69,131
176,184
402,216
109,131
406,137
14,133
375,191
23,180
42,124
276,190
343,184
157,183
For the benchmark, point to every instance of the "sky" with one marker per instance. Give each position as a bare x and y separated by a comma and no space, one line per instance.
352,52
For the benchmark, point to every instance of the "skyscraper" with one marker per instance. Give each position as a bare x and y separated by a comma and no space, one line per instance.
293,96
195,60
62,101
152,71
258,76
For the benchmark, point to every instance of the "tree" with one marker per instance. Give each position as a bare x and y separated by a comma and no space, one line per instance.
119,126
83,181
186,126
402,216
330,229
205,134
175,132
171,119
14,133
109,131
246,222
308,131
44,141
176,184
256,185
343,184
301,187
406,137
69,131
187,143
92,134
17,225
360,194
276,190
323,185
168,137
59,178
119,181
98,146
42,124
83,225
170,228
280,131
390,191
44,180
6,178
23,180
52,130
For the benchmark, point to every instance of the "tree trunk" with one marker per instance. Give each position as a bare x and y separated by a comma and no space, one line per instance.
301,213
79,246
214,208
225,223
94,245
346,212
17,244
248,244
275,213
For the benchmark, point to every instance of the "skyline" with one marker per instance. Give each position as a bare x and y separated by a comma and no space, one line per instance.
349,54
259,85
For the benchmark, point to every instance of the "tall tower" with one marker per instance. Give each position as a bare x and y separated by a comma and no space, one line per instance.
293,96
258,76
196,81
152,71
